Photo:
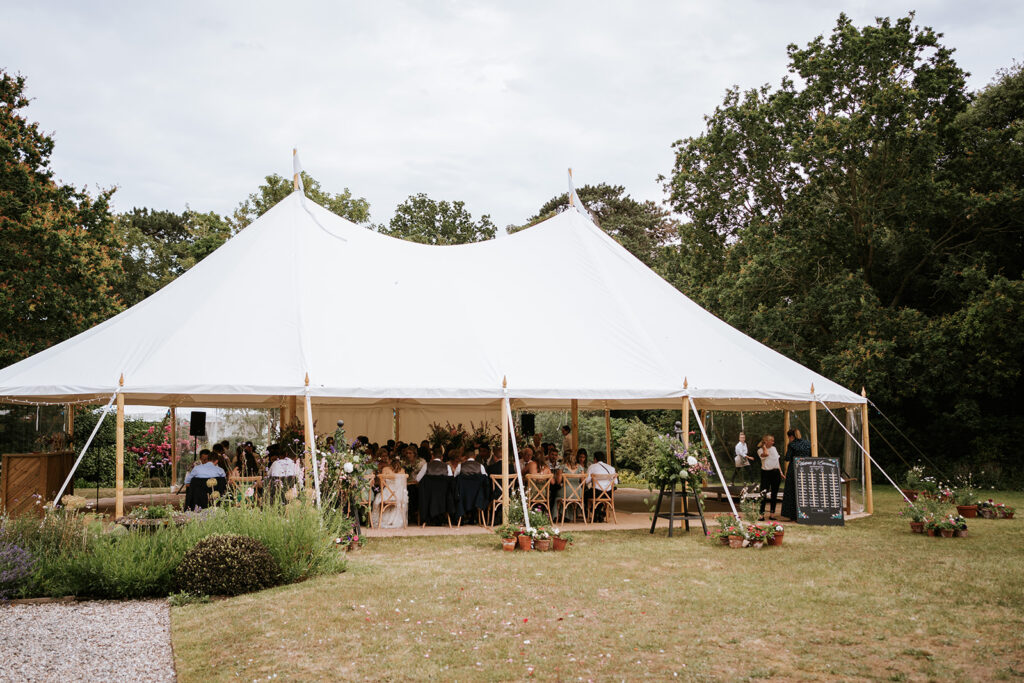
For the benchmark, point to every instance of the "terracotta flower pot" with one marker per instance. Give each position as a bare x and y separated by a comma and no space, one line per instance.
735,541
917,527
987,513
931,532
777,538
508,544
910,494
947,533
967,511
758,544
559,543
724,540
960,533
524,542
1006,515
543,544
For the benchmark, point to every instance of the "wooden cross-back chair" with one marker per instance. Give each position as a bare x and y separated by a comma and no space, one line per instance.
604,497
497,493
388,496
538,491
572,494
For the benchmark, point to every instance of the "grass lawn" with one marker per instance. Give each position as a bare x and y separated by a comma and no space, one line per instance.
870,600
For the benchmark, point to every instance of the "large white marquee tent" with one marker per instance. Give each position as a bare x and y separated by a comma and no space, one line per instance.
560,311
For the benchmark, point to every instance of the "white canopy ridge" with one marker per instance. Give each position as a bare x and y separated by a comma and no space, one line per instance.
374,319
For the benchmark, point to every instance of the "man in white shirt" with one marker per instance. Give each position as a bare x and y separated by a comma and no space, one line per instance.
205,469
742,461
470,465
599,467
436,466
284,467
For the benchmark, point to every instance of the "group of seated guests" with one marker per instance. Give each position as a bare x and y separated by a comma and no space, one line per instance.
246,465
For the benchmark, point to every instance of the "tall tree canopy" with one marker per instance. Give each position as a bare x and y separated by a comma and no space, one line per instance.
641,227
158,246
865,218
422,219
275,188
58,249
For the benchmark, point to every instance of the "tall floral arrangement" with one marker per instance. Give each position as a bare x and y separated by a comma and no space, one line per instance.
484,435
671,462
153,453
448,436
344,469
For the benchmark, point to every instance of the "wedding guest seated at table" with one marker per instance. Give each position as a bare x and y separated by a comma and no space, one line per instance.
525,458
397,492
197,493
206,469
538,465
424,450
436,466
470,465
599,467
493,460
283,465
570,487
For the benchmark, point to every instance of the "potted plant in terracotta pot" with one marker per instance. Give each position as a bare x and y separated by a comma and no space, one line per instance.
1005,511
965,498
542,539
912,482
917,515
560,539
524,538
945,526
507,534
960,524
777,532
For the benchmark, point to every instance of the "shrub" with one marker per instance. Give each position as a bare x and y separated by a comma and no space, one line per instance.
636,445
15,566
227,565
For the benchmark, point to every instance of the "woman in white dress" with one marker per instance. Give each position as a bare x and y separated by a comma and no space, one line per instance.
393,489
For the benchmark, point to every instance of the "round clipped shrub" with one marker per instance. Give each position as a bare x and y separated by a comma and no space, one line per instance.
227,564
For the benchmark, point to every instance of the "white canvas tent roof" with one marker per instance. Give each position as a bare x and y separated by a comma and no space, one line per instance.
373,319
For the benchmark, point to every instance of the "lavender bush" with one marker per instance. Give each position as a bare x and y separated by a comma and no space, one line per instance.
15,565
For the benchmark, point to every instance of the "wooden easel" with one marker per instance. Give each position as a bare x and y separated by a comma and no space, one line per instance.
685,516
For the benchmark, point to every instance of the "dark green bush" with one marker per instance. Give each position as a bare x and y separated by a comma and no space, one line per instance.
227,564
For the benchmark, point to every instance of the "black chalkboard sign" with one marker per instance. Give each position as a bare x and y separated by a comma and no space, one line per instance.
819,499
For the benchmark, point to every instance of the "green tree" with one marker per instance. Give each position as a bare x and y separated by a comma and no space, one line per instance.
58,249
864,218
422,219
161,245
641,227
275,188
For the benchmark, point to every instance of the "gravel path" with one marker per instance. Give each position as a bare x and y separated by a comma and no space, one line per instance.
86,641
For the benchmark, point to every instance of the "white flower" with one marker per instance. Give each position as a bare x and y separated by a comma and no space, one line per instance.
355,457
249,492
556,531
690,460
348,467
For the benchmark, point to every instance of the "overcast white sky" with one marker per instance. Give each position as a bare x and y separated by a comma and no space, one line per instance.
487,102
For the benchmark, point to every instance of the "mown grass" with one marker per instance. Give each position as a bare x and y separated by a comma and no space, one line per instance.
868,601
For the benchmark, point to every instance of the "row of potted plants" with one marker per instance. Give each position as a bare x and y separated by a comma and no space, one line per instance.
990,509
538,538
738,534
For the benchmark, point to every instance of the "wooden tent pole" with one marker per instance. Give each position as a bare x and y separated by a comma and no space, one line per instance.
398,423
295,177
174,447
293,409
504,452
310,442
814,424
785,435
119,454
70,408
608,433
686,416
869,499
575,425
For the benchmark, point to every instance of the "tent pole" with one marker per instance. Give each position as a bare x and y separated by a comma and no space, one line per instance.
814,425
608,433
785,435
686,416
312,467
70,409
280,419
398,423
174,447
293,409
504,452
575,425
119,457
869,499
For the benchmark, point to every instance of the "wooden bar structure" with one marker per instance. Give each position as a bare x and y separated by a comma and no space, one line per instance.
869,499
814,424
504,452
119,456
25,475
